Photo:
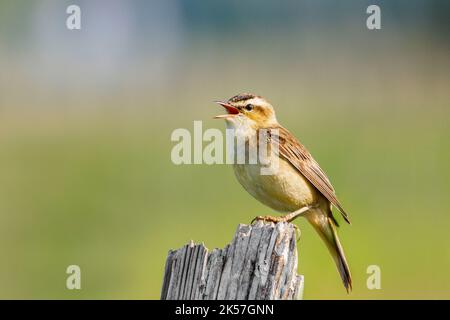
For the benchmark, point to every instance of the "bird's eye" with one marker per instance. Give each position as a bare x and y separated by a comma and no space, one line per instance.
249,107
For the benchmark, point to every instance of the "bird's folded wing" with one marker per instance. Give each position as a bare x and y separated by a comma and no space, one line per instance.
294,152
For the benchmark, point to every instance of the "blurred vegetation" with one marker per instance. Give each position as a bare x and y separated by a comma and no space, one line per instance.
86,176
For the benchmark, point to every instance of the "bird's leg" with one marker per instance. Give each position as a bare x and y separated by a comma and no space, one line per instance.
286,218
293,215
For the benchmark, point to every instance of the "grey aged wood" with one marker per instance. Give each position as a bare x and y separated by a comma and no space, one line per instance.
260,263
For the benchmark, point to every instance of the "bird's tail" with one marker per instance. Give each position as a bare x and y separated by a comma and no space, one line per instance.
323,223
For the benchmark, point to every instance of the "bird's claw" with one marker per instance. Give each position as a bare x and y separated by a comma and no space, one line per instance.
268,219
297,232
273,219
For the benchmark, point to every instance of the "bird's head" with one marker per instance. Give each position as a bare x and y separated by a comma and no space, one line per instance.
250,110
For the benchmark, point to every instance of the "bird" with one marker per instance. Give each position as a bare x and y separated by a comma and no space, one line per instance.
299,187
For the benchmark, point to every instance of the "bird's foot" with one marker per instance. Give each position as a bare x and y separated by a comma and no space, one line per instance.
297,232
270,219
273,219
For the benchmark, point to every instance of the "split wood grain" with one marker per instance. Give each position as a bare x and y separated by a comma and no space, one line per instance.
260,263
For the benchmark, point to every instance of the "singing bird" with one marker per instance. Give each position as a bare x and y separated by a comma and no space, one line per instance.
299,187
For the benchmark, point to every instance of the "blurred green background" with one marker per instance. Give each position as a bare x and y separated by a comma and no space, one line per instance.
86,117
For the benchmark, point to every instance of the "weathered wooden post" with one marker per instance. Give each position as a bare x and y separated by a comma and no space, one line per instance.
259,264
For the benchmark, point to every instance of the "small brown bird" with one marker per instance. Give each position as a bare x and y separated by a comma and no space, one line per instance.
299,187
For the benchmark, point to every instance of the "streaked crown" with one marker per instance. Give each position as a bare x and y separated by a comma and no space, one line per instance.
255,108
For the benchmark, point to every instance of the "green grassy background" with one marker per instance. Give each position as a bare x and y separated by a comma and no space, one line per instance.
86,176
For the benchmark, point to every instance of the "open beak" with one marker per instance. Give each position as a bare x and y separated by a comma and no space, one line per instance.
232,111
